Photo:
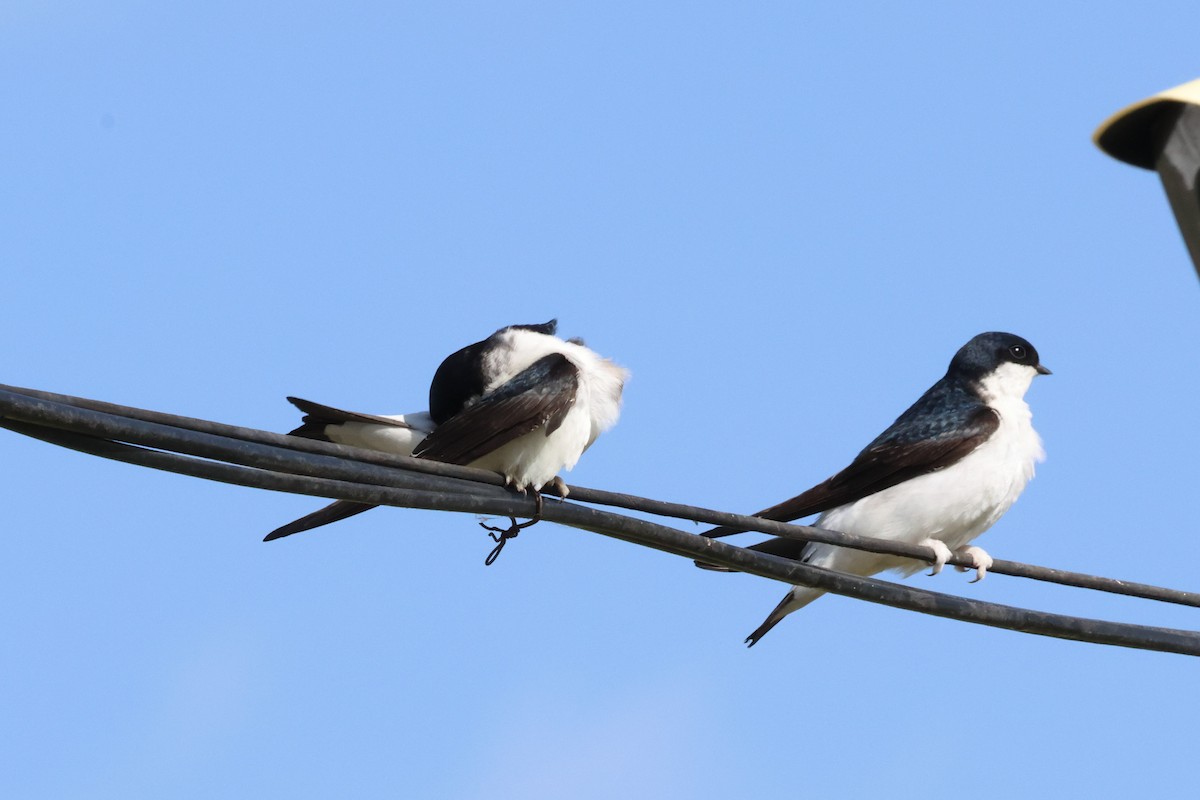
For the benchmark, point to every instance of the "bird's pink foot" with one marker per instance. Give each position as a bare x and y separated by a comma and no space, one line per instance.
982,562
941,553
560,486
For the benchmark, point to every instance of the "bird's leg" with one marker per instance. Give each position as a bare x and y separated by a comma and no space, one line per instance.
941,553
501,535
981,561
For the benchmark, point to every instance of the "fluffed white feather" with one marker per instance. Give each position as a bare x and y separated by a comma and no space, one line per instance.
535,458
386,438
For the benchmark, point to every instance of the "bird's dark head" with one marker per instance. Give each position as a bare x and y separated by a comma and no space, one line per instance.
998,357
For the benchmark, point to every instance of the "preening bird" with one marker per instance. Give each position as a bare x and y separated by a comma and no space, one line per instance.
522,402
939,476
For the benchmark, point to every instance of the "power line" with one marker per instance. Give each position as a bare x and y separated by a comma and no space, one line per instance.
266,460
614,499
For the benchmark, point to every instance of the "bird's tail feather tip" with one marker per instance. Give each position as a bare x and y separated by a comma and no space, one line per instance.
338,510
761,630
285,530
794,600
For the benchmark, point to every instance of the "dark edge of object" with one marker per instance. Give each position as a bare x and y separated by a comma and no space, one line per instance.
1177,160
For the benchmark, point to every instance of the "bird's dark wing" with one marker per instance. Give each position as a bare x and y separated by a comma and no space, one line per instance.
538,397
917,444
317,416
885,463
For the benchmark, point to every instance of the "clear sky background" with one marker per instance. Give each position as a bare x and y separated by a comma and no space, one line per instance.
784,218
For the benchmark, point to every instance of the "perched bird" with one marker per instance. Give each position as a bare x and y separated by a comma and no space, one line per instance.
522,402
941,475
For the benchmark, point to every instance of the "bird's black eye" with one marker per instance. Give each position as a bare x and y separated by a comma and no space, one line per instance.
1018,352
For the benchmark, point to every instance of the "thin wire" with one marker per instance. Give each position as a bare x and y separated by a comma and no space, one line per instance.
655,536
286,469
616,499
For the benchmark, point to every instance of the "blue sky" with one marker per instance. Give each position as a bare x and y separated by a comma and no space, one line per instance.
783,219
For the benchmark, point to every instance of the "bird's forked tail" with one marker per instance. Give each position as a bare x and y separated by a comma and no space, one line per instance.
796,599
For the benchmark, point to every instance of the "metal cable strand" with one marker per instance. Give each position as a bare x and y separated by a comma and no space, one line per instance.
602,497
652,535
286,469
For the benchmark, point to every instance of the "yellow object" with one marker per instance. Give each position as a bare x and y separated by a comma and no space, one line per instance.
1130,136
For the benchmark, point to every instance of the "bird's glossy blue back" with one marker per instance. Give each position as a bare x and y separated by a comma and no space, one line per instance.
946,408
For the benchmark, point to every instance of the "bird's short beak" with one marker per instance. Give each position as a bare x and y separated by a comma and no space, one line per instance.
1043,370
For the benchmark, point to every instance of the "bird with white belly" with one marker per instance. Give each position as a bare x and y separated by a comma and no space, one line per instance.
939,476
522,402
